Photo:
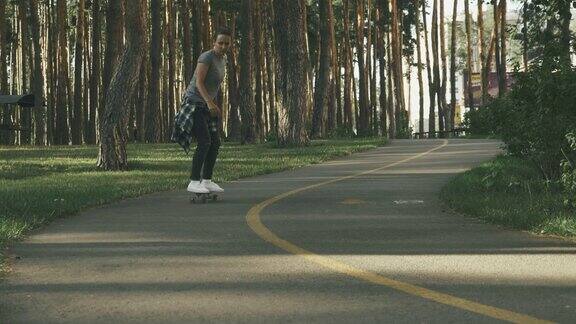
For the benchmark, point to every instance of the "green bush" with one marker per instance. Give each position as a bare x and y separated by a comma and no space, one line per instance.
568,178
533,118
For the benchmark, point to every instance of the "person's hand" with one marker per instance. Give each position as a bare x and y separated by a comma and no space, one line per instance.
214,110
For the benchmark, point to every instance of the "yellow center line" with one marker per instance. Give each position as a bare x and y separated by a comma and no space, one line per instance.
255,223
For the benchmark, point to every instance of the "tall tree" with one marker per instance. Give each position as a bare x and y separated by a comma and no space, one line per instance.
62,136
4,136
368,63
114,44
443,113
291,65
248,112
152,110
323,75
171,42
362,122
233,93
112,153
453,66
469,53
419,62
380,45
335,109
186,41
77,122
482,51
436,69
25,114
347,69
391,95
503,35
270,65
197,19
39,114
398,75
258,63
51,73
95,75
496,34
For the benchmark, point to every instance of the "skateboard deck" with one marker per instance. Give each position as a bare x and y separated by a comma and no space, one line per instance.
202,198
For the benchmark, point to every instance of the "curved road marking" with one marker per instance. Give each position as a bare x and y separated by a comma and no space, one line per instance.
253,219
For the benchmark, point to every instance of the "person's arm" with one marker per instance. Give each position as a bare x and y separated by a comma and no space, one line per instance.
201,71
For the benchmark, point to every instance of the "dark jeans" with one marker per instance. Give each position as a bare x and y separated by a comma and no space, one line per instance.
208,138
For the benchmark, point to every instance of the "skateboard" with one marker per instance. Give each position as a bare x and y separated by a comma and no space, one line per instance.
197,198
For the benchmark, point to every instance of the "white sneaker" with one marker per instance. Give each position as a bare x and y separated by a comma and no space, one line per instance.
197,187
212,186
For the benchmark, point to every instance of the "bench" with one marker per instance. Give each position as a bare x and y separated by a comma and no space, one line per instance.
25,101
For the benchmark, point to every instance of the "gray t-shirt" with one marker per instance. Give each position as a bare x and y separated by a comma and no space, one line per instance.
214,76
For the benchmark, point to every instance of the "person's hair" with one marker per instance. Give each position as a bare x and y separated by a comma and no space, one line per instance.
222,31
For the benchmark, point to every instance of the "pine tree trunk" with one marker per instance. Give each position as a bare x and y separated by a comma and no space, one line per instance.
482,46
323,75
114,44
207,28
291,69
95,74
77,123
368,70
51,74
39,114
247,109
270,66
382,125
112,153
419,62
362,123
62,136
503,36
443,113
186,41
436,68
453,66
25,114
152,120
87,78
431,88
496,38
5,136
198,29
397,68
335,108
233,93
347,70
469,53
258,63
373,93
391,85
171,15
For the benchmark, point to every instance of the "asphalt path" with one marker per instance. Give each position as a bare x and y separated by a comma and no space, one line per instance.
359,239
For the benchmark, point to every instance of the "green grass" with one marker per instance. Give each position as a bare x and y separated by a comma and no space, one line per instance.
39,184
511,192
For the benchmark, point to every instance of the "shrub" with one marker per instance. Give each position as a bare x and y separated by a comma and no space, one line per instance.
568,177
533,118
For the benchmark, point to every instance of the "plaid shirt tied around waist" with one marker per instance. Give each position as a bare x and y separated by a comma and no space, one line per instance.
184,123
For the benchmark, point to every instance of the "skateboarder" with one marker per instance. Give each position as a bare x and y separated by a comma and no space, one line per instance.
203,112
